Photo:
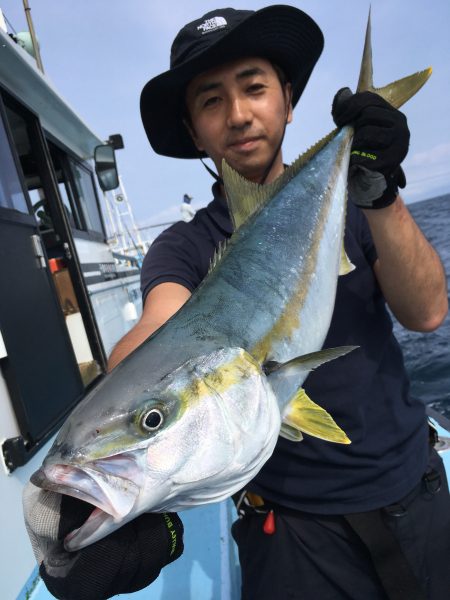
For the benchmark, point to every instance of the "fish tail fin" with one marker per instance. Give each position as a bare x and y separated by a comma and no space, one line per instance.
397,92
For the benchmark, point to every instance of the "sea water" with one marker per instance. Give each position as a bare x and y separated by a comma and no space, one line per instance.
427,355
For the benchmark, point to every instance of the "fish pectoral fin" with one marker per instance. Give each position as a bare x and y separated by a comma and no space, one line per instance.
346,266
290,433
310,361
304,415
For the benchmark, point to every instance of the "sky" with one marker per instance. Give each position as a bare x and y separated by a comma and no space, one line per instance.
100,53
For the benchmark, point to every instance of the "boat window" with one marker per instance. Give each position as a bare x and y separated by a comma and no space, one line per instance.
67,204
11,194
31,172
86,196
60,170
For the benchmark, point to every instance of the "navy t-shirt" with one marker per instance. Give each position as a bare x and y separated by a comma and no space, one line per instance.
369,399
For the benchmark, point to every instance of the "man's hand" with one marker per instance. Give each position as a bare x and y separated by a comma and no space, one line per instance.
125,561
380,144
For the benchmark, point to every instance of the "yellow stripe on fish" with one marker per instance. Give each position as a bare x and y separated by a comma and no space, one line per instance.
219,379
289,320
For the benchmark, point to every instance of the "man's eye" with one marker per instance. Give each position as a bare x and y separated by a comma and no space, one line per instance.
255,88
211,101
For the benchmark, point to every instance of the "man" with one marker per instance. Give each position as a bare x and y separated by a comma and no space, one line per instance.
235,77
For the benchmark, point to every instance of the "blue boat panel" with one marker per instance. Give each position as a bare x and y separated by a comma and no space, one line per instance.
443,434
32,587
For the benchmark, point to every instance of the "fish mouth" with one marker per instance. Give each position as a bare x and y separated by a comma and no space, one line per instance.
113,496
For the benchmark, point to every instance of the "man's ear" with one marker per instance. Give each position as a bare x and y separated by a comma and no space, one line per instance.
193,135
288,102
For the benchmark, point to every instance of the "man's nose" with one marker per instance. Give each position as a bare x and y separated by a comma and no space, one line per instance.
239,113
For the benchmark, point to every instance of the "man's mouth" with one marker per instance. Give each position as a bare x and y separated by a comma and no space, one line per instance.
245,144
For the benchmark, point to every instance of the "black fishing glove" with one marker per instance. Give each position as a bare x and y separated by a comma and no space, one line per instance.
380,144
125,561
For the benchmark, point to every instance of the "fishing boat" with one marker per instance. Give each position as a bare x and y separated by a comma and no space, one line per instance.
67,297
70,291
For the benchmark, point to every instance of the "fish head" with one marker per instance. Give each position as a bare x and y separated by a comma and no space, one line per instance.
196,435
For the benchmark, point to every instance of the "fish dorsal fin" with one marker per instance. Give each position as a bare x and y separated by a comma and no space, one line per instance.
246,198
397,92
217,256
304,415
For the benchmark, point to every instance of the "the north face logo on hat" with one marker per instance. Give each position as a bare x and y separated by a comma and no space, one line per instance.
212,24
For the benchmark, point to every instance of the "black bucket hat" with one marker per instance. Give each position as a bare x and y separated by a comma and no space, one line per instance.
282,34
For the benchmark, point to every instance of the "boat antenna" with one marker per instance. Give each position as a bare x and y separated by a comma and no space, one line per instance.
33,35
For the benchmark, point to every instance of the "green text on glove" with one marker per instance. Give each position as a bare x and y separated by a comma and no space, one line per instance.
173,533
364,154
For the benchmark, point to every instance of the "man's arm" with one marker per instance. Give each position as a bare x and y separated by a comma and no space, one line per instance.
408,269
162,302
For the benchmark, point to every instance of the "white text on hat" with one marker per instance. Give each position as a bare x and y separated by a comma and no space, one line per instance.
212,24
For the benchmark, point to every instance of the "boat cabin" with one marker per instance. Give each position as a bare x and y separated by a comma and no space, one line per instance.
65,297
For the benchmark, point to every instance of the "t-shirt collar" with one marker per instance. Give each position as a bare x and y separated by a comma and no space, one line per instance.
218,210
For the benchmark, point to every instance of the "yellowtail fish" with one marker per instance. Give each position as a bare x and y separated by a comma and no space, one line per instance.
192,415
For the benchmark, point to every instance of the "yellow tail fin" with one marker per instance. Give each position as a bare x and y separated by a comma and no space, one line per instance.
397,92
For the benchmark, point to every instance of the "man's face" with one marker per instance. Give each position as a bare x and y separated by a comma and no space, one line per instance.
238,111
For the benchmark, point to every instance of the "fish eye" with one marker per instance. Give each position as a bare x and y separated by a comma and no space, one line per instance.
152,420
